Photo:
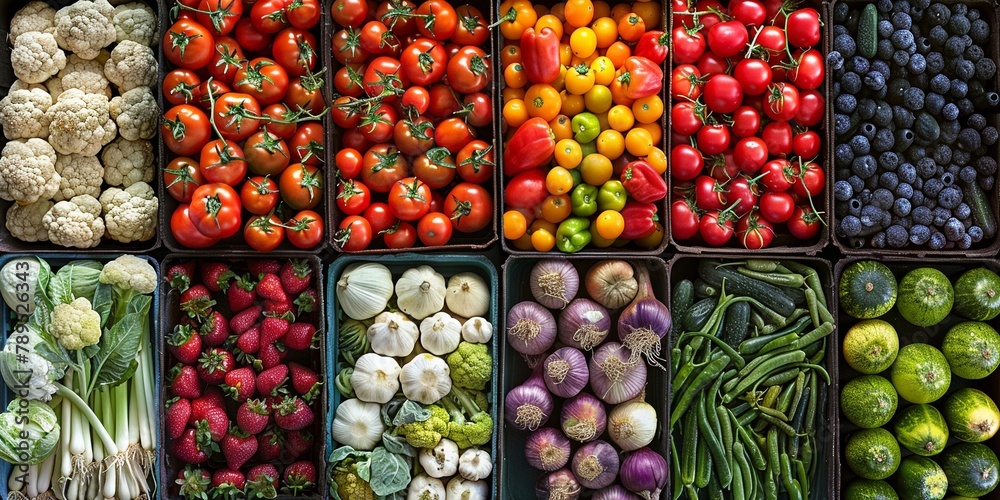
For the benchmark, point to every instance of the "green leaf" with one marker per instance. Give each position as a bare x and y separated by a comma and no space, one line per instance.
119,346
410,412
364,469
139,304
397,444
76,279
390,472
344,452
103,299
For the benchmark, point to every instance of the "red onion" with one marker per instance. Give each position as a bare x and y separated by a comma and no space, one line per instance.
595,465
615,492
566,372
644,323
614,376
529,405
558,485
584,324
583,418
547,449
554,282
644,472
531,329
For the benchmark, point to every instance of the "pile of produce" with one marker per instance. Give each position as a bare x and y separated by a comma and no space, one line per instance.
247,97
79,118
583,109
940,420
414,107
584,404
244,403
915,99
414,371
746,120
82,423
749,388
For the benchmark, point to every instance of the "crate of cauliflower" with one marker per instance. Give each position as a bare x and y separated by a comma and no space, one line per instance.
77,162
412,377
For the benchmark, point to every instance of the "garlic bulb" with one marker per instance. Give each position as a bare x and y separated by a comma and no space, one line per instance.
375,378
632,425
420,292
393,334
475,464
468,295
426,379
440,334
358,424
364,289
477,330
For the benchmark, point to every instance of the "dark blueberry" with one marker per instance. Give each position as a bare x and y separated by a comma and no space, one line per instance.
919,234
878,240
959,9
959,25
962,211
918,197
937,241
860,145
907,173
850,226
842,173
938,35
917,64
836,85
901,21
965,107
866,108
868,129
841,124
883,141
901,39
985,69
922,215
975,233
882,198
950,197
902,116
933,187
904,190
888,161
954,229
845,44
940,84
842,190
857,183
840,30
883,115
916,153
835,61
979,31
973,14
888,180
949,130
926,167
851,82
885,28
954,47
969,139
900,58
882,67
976,121
990,136
941,215
871,215
901,207
974,53
959,88
917,14
871,183
864,166
843,155
960,158
854,206
846,103
840,12
896,236
965,243
935,62
874,80
986,183
986,166
950,174
934,103
966,69
884,6
967,174
939,13
860,65
950,111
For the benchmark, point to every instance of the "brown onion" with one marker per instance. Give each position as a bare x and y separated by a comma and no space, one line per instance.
612,283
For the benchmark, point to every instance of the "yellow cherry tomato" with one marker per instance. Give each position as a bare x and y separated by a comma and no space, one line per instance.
601,9
572,104
610,224
514,76
515,113
562,128
596,169
650,13
657,159
606,30
560,83
510,94
549,21
543,235
620,118
514,224
598,99
579,79
523,243
610,143
565,54
654,239
654,129
618,52
604,70
558,181
510,54
579,12
648,109
542,101
558,10
583,41
638,141
618,11
556,208
568,155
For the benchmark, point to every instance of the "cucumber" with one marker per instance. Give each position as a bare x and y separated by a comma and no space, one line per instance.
736,324
697,315
982,210
703,290
776,298
681,297
868,31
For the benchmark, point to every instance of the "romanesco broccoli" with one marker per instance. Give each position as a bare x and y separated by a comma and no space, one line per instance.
427,434
471,366
470,425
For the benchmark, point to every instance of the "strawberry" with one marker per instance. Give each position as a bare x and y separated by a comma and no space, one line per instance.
215,275
197,301
215,330
228,484
184,381
200,408
253,416
240,384
238,447
269,356
277,309
184,344
306,301
187,449
215,422
262,482
214,364
242,293
270,444
264,266
271,380
179,275
293,414
175,417
272,330
297,443
194,482
211,396
300,336
248,342
243,320
270,288
296,275
305,381
300,476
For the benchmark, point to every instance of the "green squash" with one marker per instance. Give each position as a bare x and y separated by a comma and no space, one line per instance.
869,489
920,478
920,374
925,296
972,416
977,294
871,346
872,453
972,349
922,429
867,289
868,401
972,469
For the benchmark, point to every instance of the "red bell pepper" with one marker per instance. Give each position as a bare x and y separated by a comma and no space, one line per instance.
638,78
653,45
540,55
643,183
640,220
531,146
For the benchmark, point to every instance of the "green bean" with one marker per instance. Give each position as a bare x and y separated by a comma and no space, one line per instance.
770,397
818,333
740,455
781,425
758,322
727,436
811,303
752,449
824,313
690,448
675,359
785,472
703,380
776,279
812,279
703,464
714,447
803,478
762,265
783,270
737,484
806,453
740,408
800,384
795,492
775,363
769,314
733,355
818,356
772,449
713,392
692,492
754,363
797,425
810,418
796,325
770,488
773,412
819,368
814,348
785,398
781,377
788,339
747,417
715,489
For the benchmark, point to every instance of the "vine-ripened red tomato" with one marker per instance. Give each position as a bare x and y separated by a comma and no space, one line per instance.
469,70
811,108
480,109
305,229
811,179
804,224
687,82
225,15
686,162
781,102
223,161
345,113
716,228
347,80
778,137
268,16
215,210
709,193
471,28
383,165
713,139
275,113
474,162
249,38
803,27
689,44
263,79
184,230
424,61
685,119
401,235
188,44
742,195
301,186
209,90
376,38
355,233
809,70
295,50
236,115
778,175
434,229
379,124
349,162
722,166
443,102
346,47
181,177
399,15
453,134
773,39
776,206
259,195
349,12
728,38
380,217
303,14
684,219
180,86
754,232
352,138
436,168
440,19
750,154
185,129
353,197
226,60
749,12
470,207
409,199
306,93
306,145
754,75
710,64
723,94
746,122
264,233
417,99
383,71
806,144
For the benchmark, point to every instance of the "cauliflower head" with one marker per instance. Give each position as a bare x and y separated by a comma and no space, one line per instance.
136,114
23,85
130,214
22,113
36,57
20,358
75,223
135,21
127,162
129,272
27,171
131,65
76,325
428,433
80,123
25,221
80,175
471,366
84,74
36,16
85,27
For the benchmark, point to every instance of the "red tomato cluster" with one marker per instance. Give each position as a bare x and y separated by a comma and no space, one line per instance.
745,118
247,98
412,90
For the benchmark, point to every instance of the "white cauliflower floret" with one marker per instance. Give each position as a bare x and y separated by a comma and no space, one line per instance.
36,16
76,325
130,214
85,27
23,85
27,171
22,113
136,114
129,272
80,175
137,22
74,223
131,65
25,221
36,57
127,162
80,123
86,75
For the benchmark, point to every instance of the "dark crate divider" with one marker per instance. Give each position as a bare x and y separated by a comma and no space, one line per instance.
683,266
169,315
517,478
9,243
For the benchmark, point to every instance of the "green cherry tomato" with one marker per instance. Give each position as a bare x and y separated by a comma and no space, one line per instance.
584,200
612,196
586,127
